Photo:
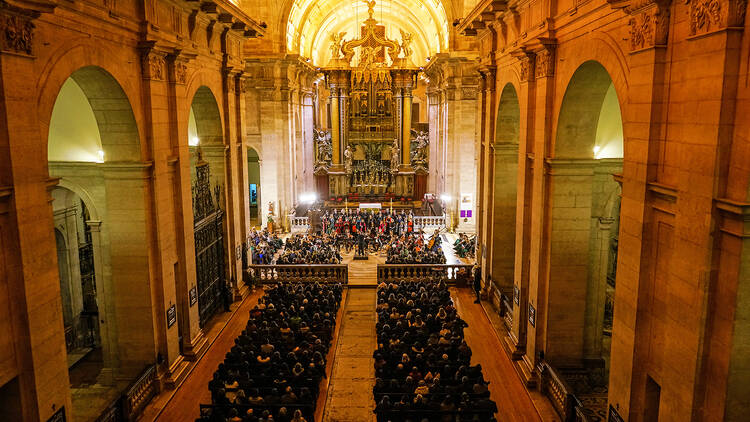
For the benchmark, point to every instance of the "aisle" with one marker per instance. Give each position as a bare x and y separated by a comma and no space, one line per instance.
350,386
506,389
363,272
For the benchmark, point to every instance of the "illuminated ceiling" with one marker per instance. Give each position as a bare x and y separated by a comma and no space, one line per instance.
311,23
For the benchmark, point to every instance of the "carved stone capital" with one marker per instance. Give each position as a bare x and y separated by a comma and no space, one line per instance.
527,65
707,16
649,23
16,29
153,64
545,63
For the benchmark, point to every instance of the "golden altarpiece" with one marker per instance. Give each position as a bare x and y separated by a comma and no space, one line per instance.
367,153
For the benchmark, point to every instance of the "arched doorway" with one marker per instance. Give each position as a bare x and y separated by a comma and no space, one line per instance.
253,181
208,168
100,219
504,181
584,207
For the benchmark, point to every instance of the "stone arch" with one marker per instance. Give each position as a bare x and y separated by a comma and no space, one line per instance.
581,212
205,111
504,180
113,90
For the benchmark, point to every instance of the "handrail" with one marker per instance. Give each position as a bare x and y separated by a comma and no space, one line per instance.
322,273
452,273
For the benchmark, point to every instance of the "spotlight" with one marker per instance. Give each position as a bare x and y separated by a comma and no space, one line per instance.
194,141
445,197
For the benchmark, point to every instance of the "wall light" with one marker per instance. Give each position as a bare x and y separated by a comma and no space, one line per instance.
100,153
194,141
597,148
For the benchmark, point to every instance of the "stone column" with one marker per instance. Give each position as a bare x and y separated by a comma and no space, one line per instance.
193,339
233,198
107,328
486,189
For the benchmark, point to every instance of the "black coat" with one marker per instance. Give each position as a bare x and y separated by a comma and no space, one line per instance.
478,279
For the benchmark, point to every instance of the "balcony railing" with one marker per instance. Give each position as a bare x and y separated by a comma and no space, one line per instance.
452,273
322,273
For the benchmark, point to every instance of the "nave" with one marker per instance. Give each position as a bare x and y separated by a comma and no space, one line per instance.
346,395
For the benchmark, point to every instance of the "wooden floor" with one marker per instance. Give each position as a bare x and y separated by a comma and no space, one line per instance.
506,389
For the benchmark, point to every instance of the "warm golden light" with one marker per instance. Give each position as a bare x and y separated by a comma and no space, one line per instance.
311,22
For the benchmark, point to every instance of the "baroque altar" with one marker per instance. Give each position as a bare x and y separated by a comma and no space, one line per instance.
368,151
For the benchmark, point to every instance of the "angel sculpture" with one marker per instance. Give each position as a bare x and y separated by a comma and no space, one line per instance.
406,39
348,159
337,41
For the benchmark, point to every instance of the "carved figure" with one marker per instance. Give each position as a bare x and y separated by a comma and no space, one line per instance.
421,142
323,149
395,156
337,41
348,158
406,39
368,55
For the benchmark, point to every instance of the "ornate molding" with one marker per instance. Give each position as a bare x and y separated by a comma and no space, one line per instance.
16,29
649,24
180,72
713,15
152,65
545,63
527,63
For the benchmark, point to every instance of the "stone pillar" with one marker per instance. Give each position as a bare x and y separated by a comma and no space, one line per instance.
193,339
32,315
597,290
486,189
107,328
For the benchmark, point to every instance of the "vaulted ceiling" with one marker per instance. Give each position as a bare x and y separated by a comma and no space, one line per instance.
304,27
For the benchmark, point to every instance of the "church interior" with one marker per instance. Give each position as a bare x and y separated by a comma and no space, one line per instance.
374,210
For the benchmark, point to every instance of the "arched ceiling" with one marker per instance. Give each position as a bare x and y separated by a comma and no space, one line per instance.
310,23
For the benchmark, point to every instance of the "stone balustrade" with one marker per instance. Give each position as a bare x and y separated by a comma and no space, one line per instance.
424,222
299,223
459,274
322,273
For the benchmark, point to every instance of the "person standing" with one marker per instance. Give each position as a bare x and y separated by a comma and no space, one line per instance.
477,281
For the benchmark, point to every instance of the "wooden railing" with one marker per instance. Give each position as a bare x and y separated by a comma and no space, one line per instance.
459,274
322,273
558,392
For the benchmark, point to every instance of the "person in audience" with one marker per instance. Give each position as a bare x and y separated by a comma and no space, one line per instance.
422,359
273,371
477,281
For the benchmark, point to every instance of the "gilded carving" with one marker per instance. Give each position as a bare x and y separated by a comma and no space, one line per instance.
17,33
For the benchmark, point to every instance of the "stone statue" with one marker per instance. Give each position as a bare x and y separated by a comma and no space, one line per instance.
323,149
406,39
348,158
421,142
395,156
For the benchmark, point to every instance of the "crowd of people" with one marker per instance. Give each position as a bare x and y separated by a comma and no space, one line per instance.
309,249
413,248
464,246
422,364
273,372
264,246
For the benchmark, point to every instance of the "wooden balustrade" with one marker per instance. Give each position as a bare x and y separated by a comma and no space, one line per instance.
458,274
322,273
